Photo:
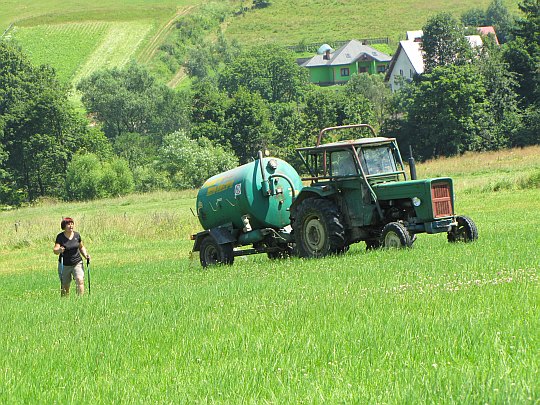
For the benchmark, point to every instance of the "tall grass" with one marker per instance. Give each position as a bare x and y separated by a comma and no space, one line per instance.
439,323
507,169
290,22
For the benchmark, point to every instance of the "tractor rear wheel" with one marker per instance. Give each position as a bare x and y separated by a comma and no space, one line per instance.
395,235
211,253
318,229
465,231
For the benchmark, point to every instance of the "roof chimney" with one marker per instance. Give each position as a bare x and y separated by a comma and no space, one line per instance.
325,50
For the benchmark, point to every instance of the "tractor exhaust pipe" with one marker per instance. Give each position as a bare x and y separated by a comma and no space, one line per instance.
412,164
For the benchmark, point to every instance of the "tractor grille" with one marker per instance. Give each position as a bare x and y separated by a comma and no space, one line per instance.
441,199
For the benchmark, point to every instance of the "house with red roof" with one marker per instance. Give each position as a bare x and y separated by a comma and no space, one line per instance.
488,31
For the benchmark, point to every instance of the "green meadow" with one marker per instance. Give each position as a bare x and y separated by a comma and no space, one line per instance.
31,12
78,37
438,323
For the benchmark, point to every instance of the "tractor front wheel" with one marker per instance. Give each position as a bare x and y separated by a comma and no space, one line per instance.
465,231
318,230
211,253
395,235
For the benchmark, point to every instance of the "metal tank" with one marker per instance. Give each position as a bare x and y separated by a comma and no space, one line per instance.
253,196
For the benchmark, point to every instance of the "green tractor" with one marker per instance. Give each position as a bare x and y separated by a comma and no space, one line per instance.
359,191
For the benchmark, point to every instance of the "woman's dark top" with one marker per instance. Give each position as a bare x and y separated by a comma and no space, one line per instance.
71,255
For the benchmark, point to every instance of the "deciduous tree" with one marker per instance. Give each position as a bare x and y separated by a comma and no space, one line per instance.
449,112
523,54
39,129
444,42
270,71
497,15
131,100
248,125
189,162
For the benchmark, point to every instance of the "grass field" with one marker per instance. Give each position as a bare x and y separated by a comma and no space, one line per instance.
289,22
31,12
439,323
80,38
77,37
64,46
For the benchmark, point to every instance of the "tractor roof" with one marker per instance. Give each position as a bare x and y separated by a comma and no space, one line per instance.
353,142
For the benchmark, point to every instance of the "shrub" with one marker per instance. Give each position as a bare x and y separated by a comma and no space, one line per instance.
190,162
147,178
117,178
88,178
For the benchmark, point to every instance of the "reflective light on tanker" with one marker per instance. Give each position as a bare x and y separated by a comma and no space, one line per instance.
416,201
272,164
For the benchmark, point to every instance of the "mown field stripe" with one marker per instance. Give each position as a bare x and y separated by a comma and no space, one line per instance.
117,48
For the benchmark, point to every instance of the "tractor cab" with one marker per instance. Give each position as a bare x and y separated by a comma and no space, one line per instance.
372,159
359,191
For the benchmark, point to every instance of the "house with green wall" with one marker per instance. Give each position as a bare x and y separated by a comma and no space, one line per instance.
331,67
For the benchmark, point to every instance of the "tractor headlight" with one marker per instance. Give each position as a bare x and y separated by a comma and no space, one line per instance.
416,201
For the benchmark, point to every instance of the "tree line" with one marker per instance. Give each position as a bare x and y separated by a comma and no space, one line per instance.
137,134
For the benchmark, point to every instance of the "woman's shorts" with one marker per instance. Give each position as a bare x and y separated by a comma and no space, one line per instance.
66,273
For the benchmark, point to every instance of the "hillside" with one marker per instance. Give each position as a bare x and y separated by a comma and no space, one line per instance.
290,22
76,37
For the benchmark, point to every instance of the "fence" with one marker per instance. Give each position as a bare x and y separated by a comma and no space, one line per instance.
313,47
7,30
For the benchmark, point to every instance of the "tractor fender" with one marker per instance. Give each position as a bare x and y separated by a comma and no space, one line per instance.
220,234
312,192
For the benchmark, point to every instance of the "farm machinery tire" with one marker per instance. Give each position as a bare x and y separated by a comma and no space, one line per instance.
211,253
465,231
318,229
395,235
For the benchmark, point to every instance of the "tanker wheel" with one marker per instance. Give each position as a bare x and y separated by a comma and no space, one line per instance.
318,229
395,235
465,231
211,253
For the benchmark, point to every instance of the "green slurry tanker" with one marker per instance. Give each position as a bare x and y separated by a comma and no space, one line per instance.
358,191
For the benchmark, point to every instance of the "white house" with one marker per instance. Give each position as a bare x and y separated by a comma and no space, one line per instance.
406,63
408,60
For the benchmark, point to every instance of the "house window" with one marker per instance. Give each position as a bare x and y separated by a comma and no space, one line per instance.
363,69
381,68
401,72
345,72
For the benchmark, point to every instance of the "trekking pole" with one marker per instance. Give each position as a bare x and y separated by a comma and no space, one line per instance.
61,269
88,271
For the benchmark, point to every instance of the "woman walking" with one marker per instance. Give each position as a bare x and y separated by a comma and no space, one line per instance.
69,247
